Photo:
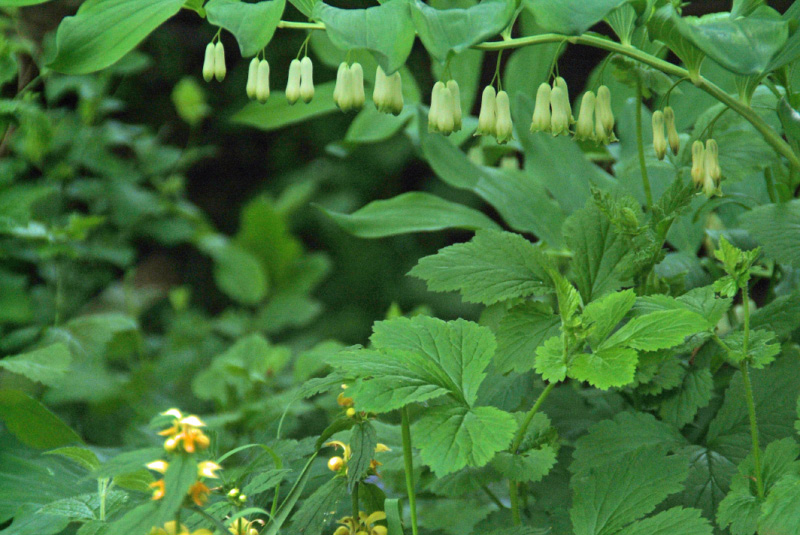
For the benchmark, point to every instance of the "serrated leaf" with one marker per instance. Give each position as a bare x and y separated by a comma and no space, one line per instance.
762,348
780,512
702,301
410,212
680,407
531,465
363,440
265,481
671,521
33,423
253,25
310,518
451,31
605,368
624,490
494,266
658,330
84,457
520,333
46,365
451,438
776,227
602,315
551,362
180,475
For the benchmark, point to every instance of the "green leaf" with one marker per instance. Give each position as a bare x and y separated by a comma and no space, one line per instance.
780,512
275,523
605,368
597,250
536,455
451,31
782,316
181,474
776,227
237,272
278,113
494,266
372,126
550,360
680,407
602,444
671,521
761,350
385,30
410,212
601,316
137,520
82,456
310,518
394,516
570,17
265,481
663,27
744,45
624,490
253,25
21,3
363,440
461,349
453,437
46,365
702,301
32,423
521,332
105,30
658,330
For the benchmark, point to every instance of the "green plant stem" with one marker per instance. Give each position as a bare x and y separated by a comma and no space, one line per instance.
748,393
523,428
648,194
409,468
492,496
289,25
354,499
773,196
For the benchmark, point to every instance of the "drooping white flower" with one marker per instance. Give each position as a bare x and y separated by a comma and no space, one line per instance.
293,82
541,111
208,63
672,133
604,117
262,81
306,79
455,103
219,62
487,118
659,139
698,163
357,86
504,128
584,129
252,78
559,116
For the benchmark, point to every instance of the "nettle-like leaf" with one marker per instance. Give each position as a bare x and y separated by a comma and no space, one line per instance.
777,228
363,440
536,455
494,266
422,358
46,365
253,25
762,348
675,520
680,405
658,330
451,31
385,30
521,331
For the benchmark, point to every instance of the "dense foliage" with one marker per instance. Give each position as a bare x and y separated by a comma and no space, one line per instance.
597,335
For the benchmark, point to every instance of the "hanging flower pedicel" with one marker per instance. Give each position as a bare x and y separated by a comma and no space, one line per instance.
306,79
604,117
672,133
262,81
541,111
585,127
504,128
252,79
659,140
293,82
487,119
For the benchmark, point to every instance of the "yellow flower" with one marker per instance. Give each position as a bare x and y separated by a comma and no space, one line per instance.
199,493
158,487
347,453
208,469
169,529
158,466
335,464
242,526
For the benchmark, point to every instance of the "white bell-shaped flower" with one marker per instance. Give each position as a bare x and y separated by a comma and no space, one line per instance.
262,81
604,117
584,129
436,104
559,115
357,86
504,128
659,138
560,82
219,62
455,103
487,118
698,163
672,133
306,79
208,63
396,93
541,111
293,82
252,79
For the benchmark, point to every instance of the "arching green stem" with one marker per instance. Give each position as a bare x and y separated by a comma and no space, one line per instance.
648,194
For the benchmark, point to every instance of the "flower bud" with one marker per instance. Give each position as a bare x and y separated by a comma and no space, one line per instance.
604,117
242,498
452,86
672,133
560,82
208,64
341,530
445,120
396,93
435,109
262,81
712,161
351,412
233,493
559,120
659,141
219,62
504,129
487,119
585,126
306,80
380,530
698,163
293,84
380,93
335,464
541,112
357,86
341,92
252,76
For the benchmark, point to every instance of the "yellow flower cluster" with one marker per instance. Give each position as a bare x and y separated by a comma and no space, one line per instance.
242,526
339,464
170,529
198,492
365,525
185,432
346,402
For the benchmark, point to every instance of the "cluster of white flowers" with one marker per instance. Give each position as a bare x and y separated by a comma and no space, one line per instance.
214,64
258,80
494,118
301,81
706,172
388,92
348,94
660,121
444,115
553,113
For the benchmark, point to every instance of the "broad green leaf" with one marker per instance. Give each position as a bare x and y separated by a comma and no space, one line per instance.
709,475
658,330
451,31
521,332
32,423
21,3
82,456
494,266
277,112
306,7
663,27
570,17
128,462
671,521
310,518
702,301
253,25
681,406
602,444
363,440
372,126
46,365
265,481
461,349
137,520
780,512
744,45
605,368
181,474
385,30
624,490
790,119
105,30
602,315
275,523
237,272
551,362
394,516
410,212
781,316
762,347
776,227
536,455
597,250
452,437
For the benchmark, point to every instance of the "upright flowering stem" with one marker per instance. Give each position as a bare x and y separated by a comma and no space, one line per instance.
409,469
512,486
640,146
748,393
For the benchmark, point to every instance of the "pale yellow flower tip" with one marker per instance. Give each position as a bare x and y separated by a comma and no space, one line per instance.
381,448
173,412
193,421
158,466
208,469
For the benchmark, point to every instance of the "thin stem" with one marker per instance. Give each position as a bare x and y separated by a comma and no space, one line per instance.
492,496
409,468
773,196
354,499
748,393
289,25
523,428
648,194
